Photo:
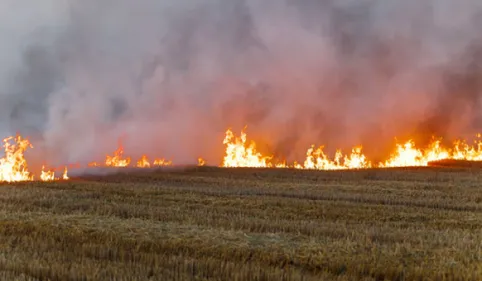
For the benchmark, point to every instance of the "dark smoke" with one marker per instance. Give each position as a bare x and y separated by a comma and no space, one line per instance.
170,77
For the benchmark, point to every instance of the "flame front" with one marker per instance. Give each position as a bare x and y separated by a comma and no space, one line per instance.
407,155
317,159
13,166
49,175
241,154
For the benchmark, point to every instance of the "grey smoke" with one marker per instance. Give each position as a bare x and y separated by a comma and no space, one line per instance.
170,76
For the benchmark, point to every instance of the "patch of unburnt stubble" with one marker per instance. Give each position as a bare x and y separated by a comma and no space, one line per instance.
246,224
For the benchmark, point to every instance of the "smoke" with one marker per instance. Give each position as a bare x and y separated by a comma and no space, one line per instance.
169,77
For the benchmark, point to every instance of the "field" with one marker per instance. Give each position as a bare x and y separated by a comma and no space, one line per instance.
246,224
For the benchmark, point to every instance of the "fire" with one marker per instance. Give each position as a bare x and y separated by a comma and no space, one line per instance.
117,160
317,159
162,162
13,166
463,151
143,162
356,160
47,175
50,175
64,175
407,155
241,154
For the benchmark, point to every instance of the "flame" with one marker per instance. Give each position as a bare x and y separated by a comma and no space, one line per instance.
463,151
47,175
318,160
117,160
162,162
13,166
143,162
356,160
241,154
50,174
407,155
64,175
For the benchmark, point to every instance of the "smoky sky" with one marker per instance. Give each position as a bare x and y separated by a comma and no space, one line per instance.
169,77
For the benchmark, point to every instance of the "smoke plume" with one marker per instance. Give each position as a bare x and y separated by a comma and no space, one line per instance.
169,77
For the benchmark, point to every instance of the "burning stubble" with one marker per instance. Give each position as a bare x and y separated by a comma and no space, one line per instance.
171,76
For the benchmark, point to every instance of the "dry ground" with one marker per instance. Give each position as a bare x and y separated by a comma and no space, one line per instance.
245,224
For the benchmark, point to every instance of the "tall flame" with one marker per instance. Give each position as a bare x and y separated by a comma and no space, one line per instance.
241,154
13,166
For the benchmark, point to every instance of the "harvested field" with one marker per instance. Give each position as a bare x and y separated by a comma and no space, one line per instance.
246,224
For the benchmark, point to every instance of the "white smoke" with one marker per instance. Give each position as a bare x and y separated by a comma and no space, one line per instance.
169,77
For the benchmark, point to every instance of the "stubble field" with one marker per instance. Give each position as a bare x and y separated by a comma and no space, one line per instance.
246,224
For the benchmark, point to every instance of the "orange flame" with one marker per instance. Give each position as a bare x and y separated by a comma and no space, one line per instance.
64,175
50,175
317,159
47,175
143,162
162,162
13,166
463,151
117,160
407,155
240,154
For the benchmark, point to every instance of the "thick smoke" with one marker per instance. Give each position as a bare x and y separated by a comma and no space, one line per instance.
169,77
